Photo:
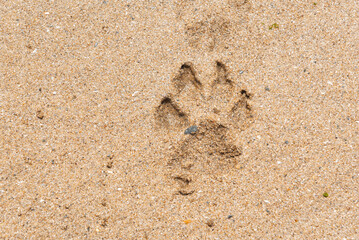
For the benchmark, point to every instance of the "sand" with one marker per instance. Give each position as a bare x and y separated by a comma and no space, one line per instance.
96,98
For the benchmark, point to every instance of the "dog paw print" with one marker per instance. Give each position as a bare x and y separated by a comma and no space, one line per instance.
208,28
203,119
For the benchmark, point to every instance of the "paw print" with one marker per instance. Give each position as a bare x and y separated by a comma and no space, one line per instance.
204,121
208,28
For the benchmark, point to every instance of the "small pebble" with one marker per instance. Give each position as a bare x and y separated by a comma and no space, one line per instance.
210,223
109,164
230,216
39,114
191,130
187,221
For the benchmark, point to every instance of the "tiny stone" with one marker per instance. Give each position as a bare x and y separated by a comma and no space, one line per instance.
239,166
187,221
39,114
286,142
325,194
109,164
210,223
241,72
267,89
230,216
191,130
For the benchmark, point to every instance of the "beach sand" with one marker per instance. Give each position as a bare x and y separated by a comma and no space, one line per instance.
183,119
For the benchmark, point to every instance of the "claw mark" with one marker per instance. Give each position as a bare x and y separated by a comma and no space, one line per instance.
186,76
222,76
244,93
169,114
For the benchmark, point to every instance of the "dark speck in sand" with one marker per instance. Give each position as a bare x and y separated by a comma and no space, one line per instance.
191,130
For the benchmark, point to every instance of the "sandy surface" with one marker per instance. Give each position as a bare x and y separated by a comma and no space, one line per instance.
95,100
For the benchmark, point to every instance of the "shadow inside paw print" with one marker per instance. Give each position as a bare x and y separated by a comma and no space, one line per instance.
205,148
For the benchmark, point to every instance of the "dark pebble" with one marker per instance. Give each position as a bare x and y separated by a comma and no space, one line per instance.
230,216
191,130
